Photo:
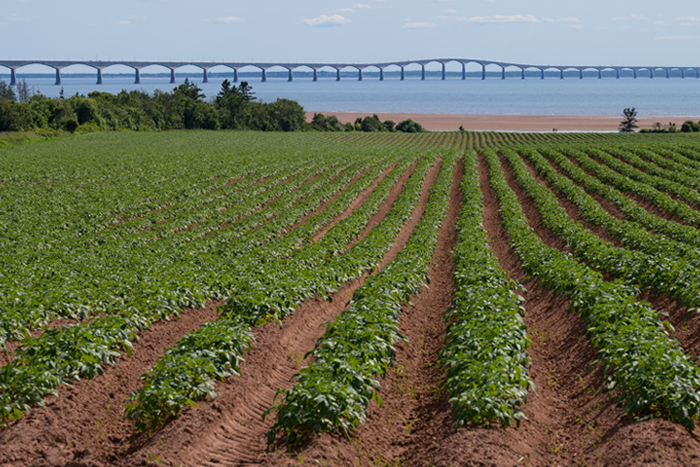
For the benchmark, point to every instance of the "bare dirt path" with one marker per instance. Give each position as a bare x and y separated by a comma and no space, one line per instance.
230,430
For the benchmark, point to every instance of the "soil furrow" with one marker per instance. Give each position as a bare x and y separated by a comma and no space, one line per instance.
586,427
410,392
89,414
107,410
363,197
232,431
571,209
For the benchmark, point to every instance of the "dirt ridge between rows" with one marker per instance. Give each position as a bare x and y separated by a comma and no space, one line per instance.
410,392
232,431
590,430
52,432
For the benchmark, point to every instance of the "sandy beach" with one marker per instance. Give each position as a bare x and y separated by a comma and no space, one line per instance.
447,122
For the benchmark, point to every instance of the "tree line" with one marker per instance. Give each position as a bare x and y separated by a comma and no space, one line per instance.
184,107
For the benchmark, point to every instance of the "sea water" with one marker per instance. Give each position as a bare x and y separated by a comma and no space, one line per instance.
608,96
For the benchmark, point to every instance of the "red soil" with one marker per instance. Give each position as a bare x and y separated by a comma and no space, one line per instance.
229,431
591,430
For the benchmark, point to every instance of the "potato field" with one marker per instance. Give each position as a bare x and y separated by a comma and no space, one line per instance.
345,299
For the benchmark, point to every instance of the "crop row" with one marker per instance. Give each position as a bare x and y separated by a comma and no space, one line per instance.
644,367
334,391
271,293
658,272
485,354
650,187
630,234
83,349
105,285
629,208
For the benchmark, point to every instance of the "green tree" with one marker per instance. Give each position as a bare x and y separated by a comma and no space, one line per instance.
6,92
409,126
629,122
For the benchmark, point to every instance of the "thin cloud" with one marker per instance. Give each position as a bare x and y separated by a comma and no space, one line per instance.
345,10
504,19
326,21
229,20
454,12
548,20
688,19
569,20
418,25
122,23
362,6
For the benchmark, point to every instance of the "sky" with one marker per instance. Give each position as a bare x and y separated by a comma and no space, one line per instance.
544,32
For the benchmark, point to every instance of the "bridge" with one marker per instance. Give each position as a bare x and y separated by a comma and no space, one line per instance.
100,65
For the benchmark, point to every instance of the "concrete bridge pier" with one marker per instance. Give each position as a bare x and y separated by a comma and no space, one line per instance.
99,76
315,75
483,72
682,73
359,74
58,75
13,76
172,76
422,72
235,75
337,74
522,73
503,72
264,76
635,73
443,72
541,73
600,74
580,74
403,74
137,77
381,74
290,78
651,73
464,71
668,75
205,75
618,73
561,74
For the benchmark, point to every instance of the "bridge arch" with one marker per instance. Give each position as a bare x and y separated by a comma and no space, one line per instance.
524,69
391,69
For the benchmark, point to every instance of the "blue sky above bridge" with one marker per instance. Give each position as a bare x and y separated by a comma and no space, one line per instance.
594,32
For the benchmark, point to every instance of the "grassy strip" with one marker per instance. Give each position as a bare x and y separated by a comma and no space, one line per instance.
644,367
334,391
485,353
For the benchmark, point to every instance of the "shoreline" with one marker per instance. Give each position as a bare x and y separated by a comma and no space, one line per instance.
542,123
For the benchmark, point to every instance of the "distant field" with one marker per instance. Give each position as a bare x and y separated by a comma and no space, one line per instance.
160,291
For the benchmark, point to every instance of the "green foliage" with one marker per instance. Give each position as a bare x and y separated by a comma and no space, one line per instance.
409,126
645,367
153,244
485,354
333,392
629,121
